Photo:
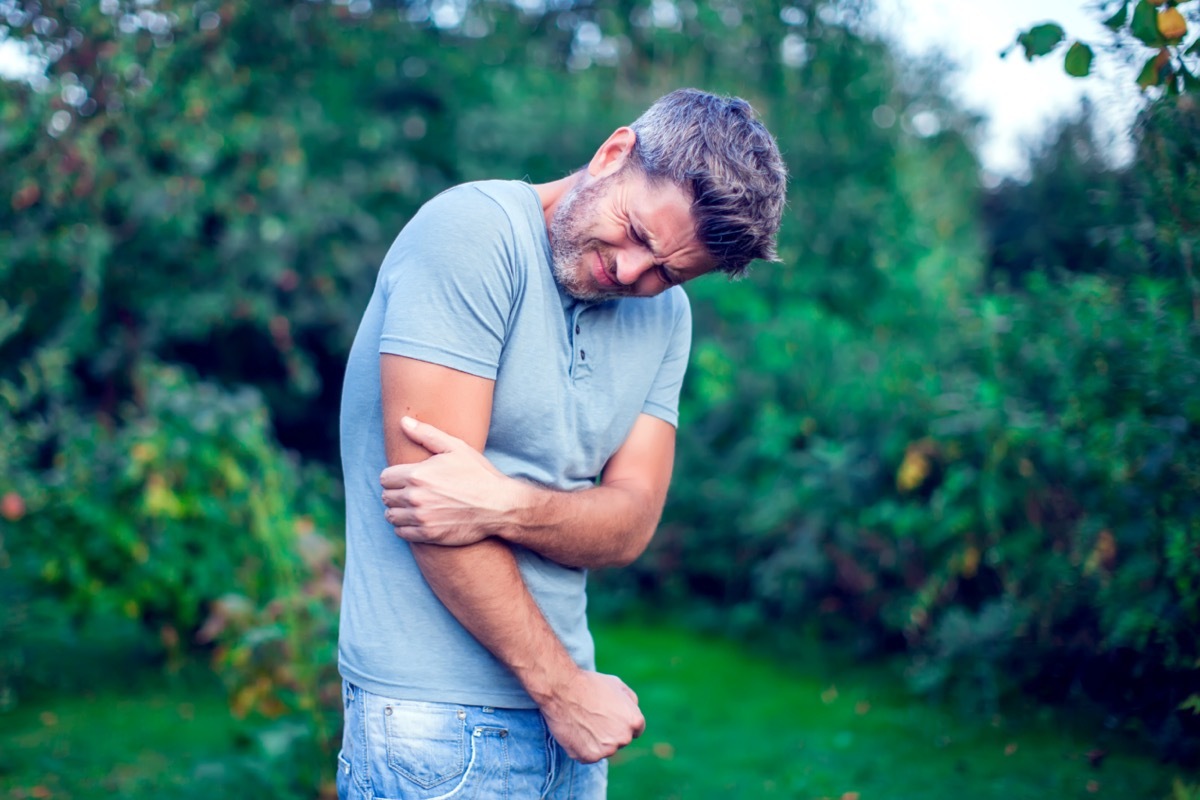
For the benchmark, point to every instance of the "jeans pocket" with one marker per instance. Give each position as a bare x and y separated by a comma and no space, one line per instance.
426,743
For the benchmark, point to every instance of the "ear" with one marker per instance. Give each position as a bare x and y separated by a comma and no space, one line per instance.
613,154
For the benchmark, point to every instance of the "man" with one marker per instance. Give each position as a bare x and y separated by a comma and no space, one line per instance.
533,339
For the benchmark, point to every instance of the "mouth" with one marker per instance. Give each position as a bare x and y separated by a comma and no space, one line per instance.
601,274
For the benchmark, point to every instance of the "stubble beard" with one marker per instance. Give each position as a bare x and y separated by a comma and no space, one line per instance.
571,246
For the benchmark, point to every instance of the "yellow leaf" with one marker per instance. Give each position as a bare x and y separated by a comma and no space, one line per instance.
143,453
913,470
160,501
1171,24
970,563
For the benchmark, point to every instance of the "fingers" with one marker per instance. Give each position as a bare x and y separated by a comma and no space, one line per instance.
432,439
395,477
399,517
397,497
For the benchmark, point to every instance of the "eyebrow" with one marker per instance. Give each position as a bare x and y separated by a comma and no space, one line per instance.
644,234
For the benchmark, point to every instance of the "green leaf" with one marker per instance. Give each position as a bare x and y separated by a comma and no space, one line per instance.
1079,60
1041,39
1150,75
1145,25
1117,20
1190,82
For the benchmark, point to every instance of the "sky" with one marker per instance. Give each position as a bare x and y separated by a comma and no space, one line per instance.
1019,99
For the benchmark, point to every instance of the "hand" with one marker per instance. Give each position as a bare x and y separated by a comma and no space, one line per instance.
593,716
455,497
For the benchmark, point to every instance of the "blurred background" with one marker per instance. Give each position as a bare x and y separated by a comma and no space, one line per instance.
934,527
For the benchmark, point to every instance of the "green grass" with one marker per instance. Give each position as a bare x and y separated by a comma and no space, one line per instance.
152,737
722,723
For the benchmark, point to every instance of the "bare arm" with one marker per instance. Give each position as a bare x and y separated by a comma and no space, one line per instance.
458,498
592,715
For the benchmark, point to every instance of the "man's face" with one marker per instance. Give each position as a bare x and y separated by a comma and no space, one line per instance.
620,236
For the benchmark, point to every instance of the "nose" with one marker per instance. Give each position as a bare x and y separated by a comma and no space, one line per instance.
632,264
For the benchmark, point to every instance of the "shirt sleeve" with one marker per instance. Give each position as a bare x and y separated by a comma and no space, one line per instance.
663,400
448,284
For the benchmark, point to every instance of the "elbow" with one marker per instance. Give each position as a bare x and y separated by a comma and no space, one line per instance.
633,548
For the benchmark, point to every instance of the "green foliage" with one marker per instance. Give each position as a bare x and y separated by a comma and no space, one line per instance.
873,443
1024,498
1161,27
1144,25
1078,62
279,658
1007,490
159,512
1041,39
1184,791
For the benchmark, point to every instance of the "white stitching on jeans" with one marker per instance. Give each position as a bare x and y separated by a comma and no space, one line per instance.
466,774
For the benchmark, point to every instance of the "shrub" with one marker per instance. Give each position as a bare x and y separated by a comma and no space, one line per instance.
1011,494
158,513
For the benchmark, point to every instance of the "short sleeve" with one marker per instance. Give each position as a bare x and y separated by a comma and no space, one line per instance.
448,284
663,400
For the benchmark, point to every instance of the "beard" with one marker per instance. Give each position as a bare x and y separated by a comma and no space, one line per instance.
571,242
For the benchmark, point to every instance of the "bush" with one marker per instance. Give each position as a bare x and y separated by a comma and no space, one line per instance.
158,513
1010,494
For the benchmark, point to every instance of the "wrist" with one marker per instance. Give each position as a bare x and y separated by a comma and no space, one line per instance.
520,509
548,680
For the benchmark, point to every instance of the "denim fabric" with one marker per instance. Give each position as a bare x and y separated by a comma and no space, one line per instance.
413,750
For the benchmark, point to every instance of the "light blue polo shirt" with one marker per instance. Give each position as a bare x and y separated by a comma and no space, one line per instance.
468,285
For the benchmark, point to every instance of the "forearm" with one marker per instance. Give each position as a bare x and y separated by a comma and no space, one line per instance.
482,587
458,497
604,526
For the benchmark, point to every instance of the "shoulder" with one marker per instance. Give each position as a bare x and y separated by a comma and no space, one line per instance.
465,224
497,204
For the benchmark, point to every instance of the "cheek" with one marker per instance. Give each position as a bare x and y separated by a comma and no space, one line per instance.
649,284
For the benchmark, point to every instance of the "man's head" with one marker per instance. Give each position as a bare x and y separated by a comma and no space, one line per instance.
695,184
717,151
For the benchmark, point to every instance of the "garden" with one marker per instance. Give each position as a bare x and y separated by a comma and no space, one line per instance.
934,525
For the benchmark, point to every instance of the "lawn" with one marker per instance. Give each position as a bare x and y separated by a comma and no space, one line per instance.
722,723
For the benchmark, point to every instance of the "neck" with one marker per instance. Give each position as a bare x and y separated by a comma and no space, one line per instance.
553,192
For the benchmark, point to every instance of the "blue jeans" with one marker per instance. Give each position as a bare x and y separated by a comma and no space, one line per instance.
410,750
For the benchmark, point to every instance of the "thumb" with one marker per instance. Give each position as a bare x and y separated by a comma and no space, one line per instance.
431,438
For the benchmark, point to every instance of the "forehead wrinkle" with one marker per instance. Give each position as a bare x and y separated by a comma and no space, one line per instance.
691,257
645,233
655,242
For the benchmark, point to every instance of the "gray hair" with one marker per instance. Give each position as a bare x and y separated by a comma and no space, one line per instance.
718,152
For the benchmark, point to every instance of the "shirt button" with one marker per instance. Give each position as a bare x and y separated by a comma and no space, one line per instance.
577,329
582,355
